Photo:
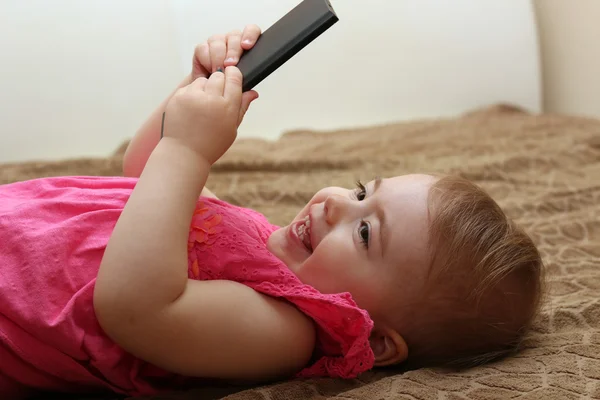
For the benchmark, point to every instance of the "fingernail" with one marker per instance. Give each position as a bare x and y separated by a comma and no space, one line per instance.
247,41
230,59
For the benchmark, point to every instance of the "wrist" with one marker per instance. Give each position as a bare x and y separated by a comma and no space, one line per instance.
176,153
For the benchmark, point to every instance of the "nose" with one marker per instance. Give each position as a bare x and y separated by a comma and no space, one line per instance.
336,207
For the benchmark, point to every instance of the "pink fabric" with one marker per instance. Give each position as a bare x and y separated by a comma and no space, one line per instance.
53,232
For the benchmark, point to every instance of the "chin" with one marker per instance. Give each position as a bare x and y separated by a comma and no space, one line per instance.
275,241
276,244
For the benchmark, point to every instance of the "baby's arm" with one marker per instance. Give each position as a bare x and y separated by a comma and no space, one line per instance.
143,298
218,51
147,137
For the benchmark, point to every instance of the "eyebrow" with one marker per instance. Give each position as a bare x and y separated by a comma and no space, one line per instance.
383,228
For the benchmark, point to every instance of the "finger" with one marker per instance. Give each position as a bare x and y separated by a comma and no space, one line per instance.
234,48
215,84
233,85
247,99
218,49
250,36
202,64
198,84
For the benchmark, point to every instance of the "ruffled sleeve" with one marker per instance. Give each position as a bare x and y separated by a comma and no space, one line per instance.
343,330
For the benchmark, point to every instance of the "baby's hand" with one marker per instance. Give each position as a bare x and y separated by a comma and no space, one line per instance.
204,115
221,51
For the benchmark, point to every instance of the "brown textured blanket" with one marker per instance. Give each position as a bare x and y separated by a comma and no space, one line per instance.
544,171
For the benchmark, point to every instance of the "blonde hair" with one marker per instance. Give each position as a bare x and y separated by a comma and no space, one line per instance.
485,281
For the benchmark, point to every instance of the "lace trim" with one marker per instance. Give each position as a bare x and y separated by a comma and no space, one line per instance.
343,330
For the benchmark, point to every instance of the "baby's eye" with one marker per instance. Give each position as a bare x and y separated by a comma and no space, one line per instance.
360,191
364,233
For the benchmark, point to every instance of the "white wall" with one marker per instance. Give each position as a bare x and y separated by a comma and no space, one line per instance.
569,32
78,77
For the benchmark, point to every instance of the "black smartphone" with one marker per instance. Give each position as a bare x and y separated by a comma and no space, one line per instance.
284,39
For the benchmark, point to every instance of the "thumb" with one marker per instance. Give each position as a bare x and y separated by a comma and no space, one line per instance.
247,99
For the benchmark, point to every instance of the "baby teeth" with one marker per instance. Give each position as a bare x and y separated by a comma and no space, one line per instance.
304,228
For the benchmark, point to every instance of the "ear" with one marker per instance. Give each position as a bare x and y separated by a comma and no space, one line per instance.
388,346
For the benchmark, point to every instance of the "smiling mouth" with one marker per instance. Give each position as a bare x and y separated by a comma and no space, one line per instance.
303,232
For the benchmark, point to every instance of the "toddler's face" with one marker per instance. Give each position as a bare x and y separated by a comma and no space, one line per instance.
371,243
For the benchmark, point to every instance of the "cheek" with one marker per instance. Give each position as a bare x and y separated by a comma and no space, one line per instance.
332,267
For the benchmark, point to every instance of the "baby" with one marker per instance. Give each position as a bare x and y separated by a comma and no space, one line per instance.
149,282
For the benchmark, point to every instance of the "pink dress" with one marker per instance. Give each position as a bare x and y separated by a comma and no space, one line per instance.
53,232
